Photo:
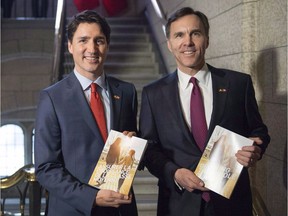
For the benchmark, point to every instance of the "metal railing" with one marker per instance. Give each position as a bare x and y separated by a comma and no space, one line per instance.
59,39
24,181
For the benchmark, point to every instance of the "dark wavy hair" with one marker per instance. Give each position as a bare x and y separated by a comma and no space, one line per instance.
88,16
184,12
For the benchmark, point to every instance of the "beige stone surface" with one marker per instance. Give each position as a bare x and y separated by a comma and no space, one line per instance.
21,80
225,33
272,24
276,186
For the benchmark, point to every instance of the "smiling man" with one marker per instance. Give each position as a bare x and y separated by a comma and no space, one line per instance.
73,119
179,113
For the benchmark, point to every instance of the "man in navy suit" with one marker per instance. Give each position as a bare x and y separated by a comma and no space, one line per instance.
229,101
68,140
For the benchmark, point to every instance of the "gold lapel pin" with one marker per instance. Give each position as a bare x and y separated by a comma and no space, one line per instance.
116,97
222,90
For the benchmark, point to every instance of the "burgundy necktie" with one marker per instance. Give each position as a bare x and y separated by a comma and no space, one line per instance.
197,115
98,110
198,121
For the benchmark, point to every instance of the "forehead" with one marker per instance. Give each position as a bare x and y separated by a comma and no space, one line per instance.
186,22
88,29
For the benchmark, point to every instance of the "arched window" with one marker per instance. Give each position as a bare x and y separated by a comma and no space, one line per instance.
11,149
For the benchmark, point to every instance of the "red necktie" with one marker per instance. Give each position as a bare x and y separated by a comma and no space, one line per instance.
198,121
98,110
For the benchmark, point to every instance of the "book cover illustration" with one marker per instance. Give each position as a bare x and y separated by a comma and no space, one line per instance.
218,166
118,162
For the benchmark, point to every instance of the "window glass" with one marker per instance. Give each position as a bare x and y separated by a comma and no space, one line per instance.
11,149
33,142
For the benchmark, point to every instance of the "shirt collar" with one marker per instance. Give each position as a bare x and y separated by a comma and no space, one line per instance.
202,76
85,82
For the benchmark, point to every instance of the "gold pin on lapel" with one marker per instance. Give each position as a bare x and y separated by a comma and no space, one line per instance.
222,90
116,97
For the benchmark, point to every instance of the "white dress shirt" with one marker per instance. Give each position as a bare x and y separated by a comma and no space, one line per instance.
104,93
185,88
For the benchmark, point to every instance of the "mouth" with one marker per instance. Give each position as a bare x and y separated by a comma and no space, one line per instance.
92,58
189,51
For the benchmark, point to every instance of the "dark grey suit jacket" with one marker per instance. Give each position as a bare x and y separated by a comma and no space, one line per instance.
171,145
68,144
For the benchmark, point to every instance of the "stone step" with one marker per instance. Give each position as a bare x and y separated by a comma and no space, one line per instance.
129,28
145,183
136,57
127,20
146,193
131,37
130,47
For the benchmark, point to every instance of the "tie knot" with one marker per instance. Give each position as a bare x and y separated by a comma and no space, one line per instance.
193,80
93,87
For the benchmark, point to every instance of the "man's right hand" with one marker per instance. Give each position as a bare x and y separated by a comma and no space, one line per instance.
109,198
188,180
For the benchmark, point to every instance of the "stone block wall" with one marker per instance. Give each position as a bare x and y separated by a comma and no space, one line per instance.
26,64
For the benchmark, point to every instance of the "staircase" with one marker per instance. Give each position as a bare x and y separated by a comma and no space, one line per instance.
132,57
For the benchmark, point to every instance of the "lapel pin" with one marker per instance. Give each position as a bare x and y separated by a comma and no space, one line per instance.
116,97
222,90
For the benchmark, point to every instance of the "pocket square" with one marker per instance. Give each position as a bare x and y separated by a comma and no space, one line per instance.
116,97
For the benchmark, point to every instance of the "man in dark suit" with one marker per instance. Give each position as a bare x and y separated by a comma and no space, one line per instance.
68,139
229,101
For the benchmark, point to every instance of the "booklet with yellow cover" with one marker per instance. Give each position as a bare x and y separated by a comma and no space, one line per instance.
118,162
218,166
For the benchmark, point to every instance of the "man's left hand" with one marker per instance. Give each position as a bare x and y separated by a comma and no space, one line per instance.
249,155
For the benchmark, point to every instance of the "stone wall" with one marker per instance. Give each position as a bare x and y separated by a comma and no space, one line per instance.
249,36
27,54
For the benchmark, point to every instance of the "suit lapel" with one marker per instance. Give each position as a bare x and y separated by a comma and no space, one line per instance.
170,92
220,85
75,91
115,99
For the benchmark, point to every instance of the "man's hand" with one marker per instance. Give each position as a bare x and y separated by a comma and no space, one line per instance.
109,198
188,180
249,155
129,133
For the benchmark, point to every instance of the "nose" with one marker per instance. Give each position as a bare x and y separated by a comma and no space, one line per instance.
188,40
92,47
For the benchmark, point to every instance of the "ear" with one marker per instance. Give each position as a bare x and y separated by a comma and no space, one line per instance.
70,48
169,45
207,42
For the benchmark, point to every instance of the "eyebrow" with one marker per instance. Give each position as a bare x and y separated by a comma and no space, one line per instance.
184,31
82,37
87,37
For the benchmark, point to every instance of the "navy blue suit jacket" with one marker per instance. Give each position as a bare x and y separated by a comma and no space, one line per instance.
171,145
68,144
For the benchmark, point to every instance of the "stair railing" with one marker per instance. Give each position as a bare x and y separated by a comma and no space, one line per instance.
24,175
59,38
160,13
